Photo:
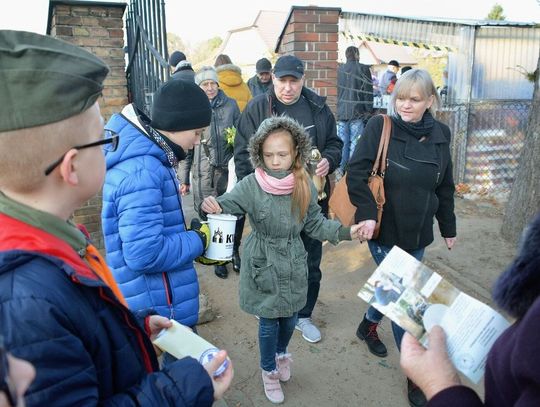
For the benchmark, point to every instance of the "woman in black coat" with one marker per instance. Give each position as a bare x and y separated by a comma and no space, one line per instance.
418,186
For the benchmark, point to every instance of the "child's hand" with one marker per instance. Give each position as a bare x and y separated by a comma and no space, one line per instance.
211,205
354,231
156,323
223,381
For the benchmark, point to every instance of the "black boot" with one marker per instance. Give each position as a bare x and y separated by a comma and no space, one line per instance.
236,261
416,397
221,271
367,331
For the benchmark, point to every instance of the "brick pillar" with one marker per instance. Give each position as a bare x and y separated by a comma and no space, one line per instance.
97,27
312,35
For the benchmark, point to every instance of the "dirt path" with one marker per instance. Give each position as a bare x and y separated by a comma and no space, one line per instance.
339,371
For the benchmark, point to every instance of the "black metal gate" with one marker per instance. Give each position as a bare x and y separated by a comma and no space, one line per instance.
147,65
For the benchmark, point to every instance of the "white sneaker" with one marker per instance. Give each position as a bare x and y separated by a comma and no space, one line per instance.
309,331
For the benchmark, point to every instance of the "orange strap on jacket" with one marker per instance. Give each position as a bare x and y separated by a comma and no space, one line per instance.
98,265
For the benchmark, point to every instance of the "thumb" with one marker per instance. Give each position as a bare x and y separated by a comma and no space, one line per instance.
216,362
437,339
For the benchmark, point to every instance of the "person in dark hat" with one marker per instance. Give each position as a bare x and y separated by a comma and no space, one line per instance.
288,96
259,83
180,67
148,246
85,343
388,78
175,58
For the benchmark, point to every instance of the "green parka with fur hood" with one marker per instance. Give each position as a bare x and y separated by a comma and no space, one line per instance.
274,274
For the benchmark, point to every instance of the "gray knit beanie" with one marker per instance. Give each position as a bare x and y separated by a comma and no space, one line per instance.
206,73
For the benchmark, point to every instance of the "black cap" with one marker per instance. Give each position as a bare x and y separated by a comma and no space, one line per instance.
263,65
180,105
289,65
393,62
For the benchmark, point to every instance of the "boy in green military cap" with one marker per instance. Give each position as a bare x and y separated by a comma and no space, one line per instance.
60,308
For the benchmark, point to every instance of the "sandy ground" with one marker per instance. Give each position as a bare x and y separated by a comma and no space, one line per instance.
339,370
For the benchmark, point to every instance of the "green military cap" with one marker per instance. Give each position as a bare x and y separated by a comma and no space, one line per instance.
44,80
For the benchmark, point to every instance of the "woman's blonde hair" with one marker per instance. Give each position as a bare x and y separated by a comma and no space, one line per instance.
420,80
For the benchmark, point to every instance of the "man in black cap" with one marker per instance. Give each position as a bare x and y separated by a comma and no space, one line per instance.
259,83
61,309
288,96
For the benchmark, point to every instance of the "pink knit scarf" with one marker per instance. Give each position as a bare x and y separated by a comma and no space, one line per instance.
274,185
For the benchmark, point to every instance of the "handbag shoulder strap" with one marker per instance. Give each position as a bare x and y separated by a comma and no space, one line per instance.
379,166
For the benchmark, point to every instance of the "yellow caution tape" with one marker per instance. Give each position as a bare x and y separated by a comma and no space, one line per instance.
382,40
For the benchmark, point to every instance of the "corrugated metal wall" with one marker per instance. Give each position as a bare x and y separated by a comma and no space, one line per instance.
499,53
483,61
457,40
488,99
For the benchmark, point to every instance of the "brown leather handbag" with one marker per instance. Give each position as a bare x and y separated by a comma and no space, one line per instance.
340,203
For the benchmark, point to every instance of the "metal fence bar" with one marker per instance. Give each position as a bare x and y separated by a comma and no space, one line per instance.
486,155
147,38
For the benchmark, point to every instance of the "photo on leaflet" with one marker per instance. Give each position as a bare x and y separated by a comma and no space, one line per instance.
416,298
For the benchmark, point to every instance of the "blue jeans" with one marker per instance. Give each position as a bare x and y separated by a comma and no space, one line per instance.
349,132
274,336
379,252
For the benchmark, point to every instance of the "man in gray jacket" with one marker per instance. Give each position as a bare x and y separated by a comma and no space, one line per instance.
288,96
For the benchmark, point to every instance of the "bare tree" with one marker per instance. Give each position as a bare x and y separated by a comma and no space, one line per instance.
524,200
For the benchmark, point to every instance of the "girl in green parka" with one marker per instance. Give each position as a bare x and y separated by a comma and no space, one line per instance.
281,201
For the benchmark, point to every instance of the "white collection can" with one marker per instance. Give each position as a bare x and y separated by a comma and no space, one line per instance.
222,229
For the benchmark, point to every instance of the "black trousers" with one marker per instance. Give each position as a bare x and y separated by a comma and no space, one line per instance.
314,251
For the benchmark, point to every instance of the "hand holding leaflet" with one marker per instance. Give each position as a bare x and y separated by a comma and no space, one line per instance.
416,298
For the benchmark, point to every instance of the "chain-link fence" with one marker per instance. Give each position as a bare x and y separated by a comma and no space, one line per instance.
487,141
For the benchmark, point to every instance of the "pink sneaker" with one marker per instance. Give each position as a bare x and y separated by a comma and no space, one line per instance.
272,387
283,363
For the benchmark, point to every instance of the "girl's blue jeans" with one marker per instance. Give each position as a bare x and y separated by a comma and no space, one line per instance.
379,252
274,337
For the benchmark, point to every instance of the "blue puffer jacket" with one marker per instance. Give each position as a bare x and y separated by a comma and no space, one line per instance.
148,248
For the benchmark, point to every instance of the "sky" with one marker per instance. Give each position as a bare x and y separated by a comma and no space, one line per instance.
195,23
